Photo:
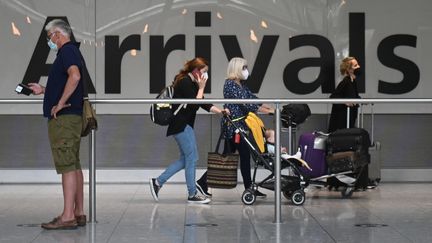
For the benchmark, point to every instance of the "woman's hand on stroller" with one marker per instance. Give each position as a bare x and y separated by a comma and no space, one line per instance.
217,110
225,112
266,109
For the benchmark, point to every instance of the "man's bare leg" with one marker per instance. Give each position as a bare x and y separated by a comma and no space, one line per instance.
69,183
79,197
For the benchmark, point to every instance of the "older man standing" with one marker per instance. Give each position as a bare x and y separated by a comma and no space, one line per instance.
63,99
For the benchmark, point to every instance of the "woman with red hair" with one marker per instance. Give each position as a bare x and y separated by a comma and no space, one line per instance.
189,83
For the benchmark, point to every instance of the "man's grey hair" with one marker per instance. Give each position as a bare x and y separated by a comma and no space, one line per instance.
59,25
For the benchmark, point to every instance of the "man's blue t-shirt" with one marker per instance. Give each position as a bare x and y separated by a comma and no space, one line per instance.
67,56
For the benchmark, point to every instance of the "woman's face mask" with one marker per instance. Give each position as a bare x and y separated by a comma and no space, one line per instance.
357,72
245,74
356,69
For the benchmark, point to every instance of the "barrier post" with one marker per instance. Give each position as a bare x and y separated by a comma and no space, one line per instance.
92,177
277,167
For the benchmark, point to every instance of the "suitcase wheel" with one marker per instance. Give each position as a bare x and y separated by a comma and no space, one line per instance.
347,192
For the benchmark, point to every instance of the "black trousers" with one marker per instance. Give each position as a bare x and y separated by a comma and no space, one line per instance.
338,117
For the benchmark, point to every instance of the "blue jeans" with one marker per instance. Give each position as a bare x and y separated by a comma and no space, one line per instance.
188,158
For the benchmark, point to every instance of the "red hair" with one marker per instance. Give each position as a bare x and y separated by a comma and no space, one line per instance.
189,66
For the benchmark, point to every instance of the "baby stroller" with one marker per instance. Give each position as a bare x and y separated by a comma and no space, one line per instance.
293,182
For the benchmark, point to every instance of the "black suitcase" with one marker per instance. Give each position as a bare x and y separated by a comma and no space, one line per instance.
349,139
347,161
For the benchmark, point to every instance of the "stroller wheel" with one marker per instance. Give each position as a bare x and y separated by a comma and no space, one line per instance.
248,197
298,197
347,192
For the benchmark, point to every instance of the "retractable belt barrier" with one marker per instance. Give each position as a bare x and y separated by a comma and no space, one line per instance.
276,102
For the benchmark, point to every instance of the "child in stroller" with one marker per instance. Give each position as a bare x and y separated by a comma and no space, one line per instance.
292,184
269,137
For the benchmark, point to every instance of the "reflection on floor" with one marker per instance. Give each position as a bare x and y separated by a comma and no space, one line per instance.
127,213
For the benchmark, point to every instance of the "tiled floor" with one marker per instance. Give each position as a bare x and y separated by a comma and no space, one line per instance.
127,213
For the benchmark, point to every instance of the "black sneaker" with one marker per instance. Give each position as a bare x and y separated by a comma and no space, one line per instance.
372,185
260,194
203,189
198,199
154,189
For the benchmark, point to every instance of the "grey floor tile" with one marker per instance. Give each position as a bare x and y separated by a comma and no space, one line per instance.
128,213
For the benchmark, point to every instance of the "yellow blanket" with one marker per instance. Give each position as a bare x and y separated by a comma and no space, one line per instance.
256,126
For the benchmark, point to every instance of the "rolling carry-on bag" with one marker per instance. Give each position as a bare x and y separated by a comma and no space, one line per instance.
375,153
312,147
375,164
348,139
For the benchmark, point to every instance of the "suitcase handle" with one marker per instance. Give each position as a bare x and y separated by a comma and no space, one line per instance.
372,132
348,117
372,125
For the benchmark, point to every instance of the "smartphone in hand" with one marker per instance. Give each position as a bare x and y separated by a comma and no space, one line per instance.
23,89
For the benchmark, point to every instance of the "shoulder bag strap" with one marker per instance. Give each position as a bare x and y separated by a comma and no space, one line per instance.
219,141
83,78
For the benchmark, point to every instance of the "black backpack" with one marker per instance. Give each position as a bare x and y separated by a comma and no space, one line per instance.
163,113
294,114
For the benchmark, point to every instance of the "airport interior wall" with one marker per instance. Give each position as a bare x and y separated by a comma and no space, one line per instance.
133,142
135,48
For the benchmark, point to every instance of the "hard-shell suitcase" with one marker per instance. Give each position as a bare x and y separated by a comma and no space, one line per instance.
375,153
349,139
375,164
312,147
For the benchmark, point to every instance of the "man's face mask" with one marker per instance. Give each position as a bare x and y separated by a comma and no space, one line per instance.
52,45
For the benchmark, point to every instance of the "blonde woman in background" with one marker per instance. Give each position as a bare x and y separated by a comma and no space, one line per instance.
347,88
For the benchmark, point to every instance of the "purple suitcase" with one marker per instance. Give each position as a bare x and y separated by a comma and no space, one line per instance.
312,147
